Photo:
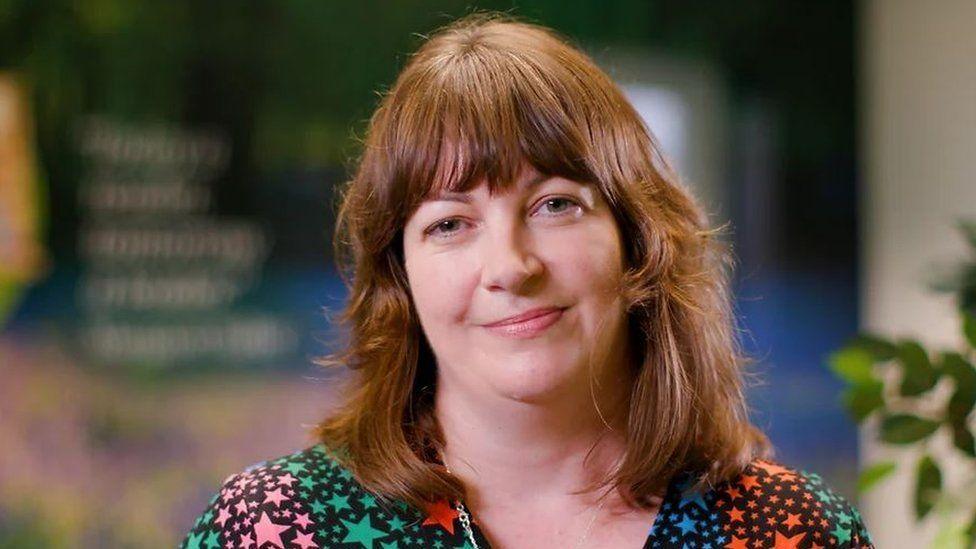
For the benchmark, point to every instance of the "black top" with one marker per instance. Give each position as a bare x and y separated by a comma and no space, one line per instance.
308,499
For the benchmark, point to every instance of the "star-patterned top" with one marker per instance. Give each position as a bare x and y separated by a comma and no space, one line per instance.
309,500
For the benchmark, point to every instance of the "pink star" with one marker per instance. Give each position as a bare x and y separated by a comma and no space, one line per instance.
304,540
222,516
269,532
247,541
275,496
301,519
241,483
287,479
241,507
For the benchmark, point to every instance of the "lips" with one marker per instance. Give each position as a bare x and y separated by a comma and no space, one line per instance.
523,317
527,325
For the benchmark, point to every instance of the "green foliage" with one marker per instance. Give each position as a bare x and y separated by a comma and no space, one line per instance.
874,474
927,486
906,428
903,419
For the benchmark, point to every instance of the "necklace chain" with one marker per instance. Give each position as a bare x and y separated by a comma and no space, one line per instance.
465,518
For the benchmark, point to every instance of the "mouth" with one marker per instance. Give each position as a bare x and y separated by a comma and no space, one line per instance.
527,325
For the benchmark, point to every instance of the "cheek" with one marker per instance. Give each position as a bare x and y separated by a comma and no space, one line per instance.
439,289
590,261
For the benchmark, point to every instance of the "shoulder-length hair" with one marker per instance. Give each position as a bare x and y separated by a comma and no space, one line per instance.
481,96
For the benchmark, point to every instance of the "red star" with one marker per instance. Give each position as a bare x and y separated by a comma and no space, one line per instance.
738,543
440,512
772,469
736,515
792,520
733,493
783,542
749,481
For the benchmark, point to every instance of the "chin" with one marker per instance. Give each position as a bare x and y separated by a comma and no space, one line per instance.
536,382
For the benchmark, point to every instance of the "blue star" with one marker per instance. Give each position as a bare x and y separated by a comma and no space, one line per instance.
686,525
693,496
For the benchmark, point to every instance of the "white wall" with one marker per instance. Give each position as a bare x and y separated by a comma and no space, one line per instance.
918,145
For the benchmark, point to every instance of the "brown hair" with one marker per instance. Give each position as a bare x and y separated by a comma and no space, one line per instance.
479,98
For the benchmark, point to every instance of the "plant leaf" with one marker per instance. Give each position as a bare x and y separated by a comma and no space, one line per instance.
874,474
963,439
863,398
963,399
881,349
971,530
928,486
852,364
968,228
969,327
919,374
906,428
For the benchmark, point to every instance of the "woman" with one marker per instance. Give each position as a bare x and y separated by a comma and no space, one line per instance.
541,334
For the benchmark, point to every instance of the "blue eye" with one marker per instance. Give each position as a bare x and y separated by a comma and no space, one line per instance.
558,206
444,223
560,200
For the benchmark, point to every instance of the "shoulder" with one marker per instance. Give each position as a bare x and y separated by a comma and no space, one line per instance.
766,504
293,501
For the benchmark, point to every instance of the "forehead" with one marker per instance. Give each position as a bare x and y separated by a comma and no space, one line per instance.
528,179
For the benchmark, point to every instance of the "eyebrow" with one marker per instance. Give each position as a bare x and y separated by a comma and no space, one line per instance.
466,197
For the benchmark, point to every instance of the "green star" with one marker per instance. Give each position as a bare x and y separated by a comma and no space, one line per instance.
824,496
391,545
339,502
193,541
318,507
207,517
842,535
295,468
213,540
438,544
345,474
843,517
368,501
467,545
396,523
307,482
362,531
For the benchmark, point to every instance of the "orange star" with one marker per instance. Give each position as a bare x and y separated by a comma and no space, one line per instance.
749,481
733,493
441,512
738,543
792,520
773,469
736,515
783,542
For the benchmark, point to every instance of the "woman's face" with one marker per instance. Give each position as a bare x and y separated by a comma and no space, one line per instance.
473,260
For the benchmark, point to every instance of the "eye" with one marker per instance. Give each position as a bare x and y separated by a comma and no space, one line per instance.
560,205
444,228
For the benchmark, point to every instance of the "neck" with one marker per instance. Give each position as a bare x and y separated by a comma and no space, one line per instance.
505,450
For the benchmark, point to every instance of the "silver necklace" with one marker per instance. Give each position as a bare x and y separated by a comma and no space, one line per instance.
465,518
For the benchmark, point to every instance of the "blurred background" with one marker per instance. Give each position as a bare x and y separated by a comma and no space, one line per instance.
167,176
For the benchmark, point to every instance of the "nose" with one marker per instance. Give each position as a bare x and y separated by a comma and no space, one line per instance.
508,261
